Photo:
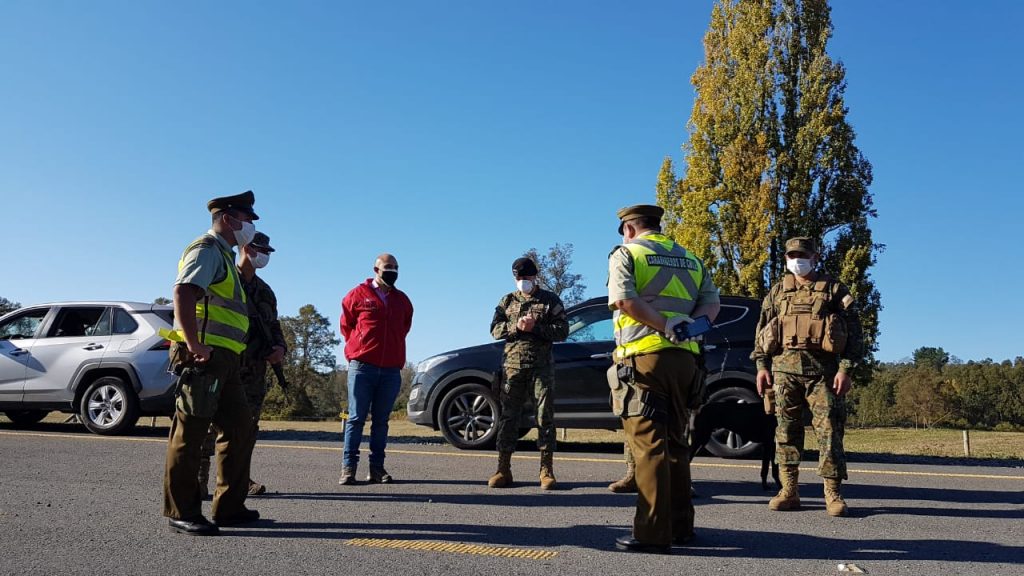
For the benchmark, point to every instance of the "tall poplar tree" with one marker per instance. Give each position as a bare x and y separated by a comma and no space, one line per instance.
771,155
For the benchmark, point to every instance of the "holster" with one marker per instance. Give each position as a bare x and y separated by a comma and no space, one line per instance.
198,392
628,400
699,390
769,401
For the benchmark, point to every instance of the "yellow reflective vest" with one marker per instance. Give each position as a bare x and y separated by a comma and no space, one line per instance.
222,315
669,279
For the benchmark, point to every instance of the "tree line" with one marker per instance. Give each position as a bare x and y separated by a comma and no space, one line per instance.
935,390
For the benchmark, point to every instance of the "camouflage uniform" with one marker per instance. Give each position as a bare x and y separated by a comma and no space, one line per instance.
528,363
262,304
802,379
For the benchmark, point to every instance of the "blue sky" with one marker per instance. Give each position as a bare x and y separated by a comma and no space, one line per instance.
459,134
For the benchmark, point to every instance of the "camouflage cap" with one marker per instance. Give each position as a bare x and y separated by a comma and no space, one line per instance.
261,241
801,244
638,210
242,202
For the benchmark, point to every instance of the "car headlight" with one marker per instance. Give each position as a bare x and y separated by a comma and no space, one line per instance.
433,361
414,394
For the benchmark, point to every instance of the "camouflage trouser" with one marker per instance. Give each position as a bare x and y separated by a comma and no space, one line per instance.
793,395
628,454
520,385
254,382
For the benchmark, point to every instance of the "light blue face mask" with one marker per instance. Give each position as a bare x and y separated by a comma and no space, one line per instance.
524,286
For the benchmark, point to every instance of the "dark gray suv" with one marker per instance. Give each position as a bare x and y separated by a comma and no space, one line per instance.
104,361
451,392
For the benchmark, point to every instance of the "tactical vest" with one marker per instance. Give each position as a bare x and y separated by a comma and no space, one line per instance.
669,279
222,315
807,320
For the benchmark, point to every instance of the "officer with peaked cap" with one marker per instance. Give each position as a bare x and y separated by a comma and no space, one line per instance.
211,326
265,345
655,285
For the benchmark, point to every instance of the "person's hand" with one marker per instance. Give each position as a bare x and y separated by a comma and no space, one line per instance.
200,352
670,328
764,382
276,356
842,383
526,323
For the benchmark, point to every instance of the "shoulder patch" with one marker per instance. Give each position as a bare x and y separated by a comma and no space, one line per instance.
847,301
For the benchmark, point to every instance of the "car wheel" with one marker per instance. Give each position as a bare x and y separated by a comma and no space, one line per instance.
26,417
468,417
725,443
109,406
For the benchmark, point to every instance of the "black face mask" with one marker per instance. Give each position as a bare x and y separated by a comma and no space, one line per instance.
389,277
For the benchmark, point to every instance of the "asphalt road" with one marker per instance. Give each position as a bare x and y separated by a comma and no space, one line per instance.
76,503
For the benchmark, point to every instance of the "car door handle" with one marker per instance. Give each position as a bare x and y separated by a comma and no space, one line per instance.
92,347
18,352
601,356
710,347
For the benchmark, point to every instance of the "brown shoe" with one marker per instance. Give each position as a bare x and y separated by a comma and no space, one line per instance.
547,470
788,497
256,489
378,475
626,484
348,476
503,477
834,503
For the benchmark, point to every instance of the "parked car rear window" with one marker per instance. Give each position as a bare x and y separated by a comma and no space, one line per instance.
166,315
123,322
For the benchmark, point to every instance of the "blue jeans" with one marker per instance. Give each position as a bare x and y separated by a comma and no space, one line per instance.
371,390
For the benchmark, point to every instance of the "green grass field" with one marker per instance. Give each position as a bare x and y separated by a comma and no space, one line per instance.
896,441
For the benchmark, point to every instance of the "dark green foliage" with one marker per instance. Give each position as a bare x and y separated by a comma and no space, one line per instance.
933,391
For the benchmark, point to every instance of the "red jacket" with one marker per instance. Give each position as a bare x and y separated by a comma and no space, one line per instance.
375,332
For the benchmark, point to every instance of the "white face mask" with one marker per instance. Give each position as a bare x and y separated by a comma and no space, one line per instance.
799,266
260,260
245,235
524,286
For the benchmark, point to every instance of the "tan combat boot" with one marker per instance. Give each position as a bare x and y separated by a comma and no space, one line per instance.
547,470
788,497
626,484
503,477
204,478
834,503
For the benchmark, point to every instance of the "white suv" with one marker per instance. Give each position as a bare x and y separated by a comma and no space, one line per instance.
104,361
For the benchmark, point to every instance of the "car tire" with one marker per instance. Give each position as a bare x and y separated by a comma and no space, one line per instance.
26,417
109,406
725,443
468,417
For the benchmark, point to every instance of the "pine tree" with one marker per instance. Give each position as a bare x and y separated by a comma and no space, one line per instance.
771,155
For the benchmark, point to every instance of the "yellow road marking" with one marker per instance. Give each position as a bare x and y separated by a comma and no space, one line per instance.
454,547
492,456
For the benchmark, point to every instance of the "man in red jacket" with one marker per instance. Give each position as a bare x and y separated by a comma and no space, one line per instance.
375,319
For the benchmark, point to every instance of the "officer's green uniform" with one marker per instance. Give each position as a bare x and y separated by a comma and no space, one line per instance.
211,392
264,334
806,333
654,405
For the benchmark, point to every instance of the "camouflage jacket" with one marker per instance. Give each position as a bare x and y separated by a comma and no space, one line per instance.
529,348
264,327
812,362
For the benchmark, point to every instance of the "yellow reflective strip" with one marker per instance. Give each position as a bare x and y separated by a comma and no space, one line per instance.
453,548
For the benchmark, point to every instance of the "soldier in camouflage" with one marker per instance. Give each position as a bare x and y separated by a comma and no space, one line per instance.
265,345
808,338
529,320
